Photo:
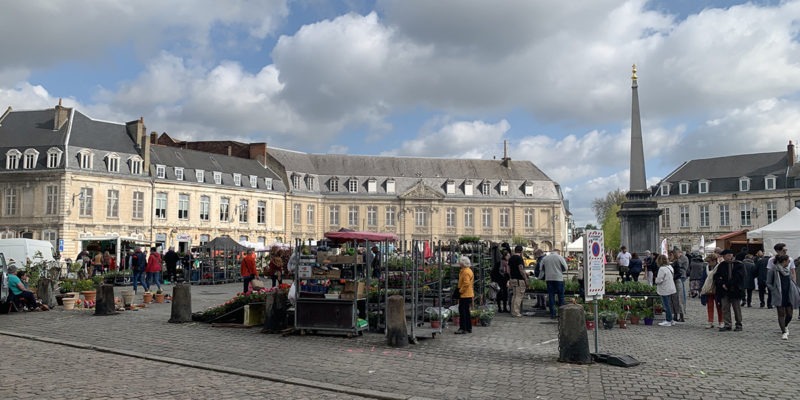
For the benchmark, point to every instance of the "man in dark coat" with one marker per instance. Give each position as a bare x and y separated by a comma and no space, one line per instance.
749,279
729,281
761,269
171,260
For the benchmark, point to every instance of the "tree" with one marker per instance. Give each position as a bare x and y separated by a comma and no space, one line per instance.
590,226
602,206
611,228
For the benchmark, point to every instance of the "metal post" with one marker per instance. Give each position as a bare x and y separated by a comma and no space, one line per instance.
596,327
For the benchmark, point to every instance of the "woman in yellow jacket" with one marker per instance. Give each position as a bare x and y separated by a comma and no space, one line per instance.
465,283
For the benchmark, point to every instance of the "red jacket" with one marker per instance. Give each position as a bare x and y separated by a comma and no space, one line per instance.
153,263
249,265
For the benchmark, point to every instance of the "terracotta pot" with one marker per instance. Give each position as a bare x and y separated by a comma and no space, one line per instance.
89,295
147,297
436,324
127,297
475,321
621,323
634,320
69,303
160,298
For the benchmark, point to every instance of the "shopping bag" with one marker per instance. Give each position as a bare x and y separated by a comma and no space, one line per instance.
708,285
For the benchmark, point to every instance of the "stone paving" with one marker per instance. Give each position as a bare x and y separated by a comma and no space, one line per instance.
512,359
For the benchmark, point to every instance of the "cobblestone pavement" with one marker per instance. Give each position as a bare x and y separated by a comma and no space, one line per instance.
515,358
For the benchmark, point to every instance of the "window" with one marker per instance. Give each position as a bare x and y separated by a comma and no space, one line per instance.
683,187
310,182
136,165
772,212
51,201
52,237
295,181
237,179
183,206
391,213
665,189
204,238
527,217
372,215
297,214
352,215
420,216
704,216
665,220
261,212
310,215
450,187
505,217
253,181
451,217
178,173
468,188
769,182
372,185
54,157
486,217
138,205
244,210
333,185
12,159
334,215
528,189
112,162
12,197
390,186
485,188
161,171
268,183
112,204
85,159
243,238
504,188
684,214
161,205
352,185
469,217
85,205
702,186
217,178
31,157
262,240
744,213
205,208
744,184
724,215
199,175
224,209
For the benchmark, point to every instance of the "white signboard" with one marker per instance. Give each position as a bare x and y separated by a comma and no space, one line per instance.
595,264
304,271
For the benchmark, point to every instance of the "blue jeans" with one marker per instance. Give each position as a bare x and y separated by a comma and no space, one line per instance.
153,277
667,309
553,288
138,278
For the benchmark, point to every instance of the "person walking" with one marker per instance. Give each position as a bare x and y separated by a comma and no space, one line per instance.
171,259
751,273
249,270
635,267
138,266
153,269
696,270
761,274
552,272
466,280
517,281
782,281
709,299
729,279
499,275
665,287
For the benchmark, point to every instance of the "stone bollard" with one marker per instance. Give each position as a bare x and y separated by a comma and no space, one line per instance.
181,303
396,330
573,341
105,301
276,317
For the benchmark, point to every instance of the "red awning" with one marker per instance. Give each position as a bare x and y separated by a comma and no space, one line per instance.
361,236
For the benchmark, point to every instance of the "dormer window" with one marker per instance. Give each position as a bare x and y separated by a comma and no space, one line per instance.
253,181
31,156
333,184
295,181
237,179
161,171
529,189
390,186
112,162
135,164
450,186
468,188
372,185
702,186
217,178
683,187
486,187
664,189
200,175
504,188
85,159
769,182
744,184
54,157
179,173
268,183
12,159
352,185
310,184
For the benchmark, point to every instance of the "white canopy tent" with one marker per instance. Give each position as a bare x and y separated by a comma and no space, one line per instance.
576,246
785,230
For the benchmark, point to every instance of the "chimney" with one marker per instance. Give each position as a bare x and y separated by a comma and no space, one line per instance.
790,150
62,114
146,151
230,150
506,159
136,131
258,152
153,137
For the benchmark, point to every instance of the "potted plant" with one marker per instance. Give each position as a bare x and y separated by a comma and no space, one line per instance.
147,297
590,321
435,318
159,296
485,317
637,307
608,318
86,287
474,315
647,314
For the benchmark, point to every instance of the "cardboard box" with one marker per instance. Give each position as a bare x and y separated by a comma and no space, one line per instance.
353,287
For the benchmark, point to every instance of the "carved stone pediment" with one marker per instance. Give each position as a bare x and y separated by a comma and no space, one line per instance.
422,191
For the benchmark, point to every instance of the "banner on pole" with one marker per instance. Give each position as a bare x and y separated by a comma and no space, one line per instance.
594,264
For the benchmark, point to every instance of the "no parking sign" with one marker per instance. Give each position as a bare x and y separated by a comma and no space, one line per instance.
595,264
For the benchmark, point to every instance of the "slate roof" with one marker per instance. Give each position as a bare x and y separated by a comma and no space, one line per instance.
724,172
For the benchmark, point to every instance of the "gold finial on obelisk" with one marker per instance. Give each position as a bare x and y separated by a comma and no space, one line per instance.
634,72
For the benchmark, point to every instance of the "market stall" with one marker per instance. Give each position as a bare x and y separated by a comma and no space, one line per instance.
218,261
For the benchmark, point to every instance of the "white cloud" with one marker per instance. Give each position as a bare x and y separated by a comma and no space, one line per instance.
459,139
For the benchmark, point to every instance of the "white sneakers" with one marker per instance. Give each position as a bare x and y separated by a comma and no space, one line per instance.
721,324
785,336
666,323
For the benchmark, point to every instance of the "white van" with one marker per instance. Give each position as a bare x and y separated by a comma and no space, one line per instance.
19,251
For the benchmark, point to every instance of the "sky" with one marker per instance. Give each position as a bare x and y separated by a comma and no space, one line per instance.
445,78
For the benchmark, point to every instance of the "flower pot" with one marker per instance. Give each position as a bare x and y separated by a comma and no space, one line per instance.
648,321
147,297
634,320
658,310
69,303
590,325
621,323
89,295
127,297
60,299
159,297
608,324
486,322
475,321
436,324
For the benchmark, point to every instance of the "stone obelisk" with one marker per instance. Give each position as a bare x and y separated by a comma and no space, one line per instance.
639,214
